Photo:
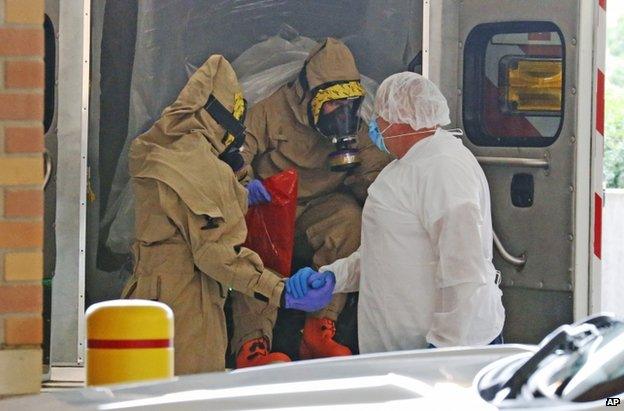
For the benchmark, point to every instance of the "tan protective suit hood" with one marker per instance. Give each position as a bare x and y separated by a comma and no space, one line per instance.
329,62
281,136
186,135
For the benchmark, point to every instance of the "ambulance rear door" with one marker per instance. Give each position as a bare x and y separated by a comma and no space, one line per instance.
518,76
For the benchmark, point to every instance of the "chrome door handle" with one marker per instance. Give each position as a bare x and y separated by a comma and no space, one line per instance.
507,256
514,162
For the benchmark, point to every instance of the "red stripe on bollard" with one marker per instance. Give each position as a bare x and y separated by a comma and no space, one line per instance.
126,344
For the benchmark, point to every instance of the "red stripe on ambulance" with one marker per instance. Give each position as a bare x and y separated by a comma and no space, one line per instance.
603,4
597,225
600,102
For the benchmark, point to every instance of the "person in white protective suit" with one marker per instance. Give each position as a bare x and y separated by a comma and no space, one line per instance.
424,267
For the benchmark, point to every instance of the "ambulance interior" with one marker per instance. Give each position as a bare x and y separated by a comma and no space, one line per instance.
505,83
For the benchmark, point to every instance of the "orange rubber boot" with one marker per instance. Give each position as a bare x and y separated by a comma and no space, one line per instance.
256,352
318,340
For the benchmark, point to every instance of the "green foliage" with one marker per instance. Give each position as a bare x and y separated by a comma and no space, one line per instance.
615,39
614,163
614,109
616,76
614,139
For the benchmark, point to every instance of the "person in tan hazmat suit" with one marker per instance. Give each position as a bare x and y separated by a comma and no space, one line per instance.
190,225
310,125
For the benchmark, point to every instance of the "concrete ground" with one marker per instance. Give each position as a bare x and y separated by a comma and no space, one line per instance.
62,378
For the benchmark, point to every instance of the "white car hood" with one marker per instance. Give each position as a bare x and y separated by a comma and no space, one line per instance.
420,379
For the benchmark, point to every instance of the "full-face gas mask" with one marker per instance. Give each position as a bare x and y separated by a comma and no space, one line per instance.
235,130
333,111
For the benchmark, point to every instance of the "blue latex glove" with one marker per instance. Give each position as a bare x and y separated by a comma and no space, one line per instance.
299,284
316,298
318,280
257,193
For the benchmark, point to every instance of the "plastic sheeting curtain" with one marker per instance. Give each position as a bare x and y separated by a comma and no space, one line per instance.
173,36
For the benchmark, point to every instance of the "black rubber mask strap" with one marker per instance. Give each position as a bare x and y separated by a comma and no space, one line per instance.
225,119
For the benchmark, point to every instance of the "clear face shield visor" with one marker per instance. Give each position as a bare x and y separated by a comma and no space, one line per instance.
339,122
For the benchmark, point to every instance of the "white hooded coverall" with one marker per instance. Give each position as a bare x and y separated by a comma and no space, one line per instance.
424,267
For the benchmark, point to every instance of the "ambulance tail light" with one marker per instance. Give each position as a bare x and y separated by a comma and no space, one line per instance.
531,86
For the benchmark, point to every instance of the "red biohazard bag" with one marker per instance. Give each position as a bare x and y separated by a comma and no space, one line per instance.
271,226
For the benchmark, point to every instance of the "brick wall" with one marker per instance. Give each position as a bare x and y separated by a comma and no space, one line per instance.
21,196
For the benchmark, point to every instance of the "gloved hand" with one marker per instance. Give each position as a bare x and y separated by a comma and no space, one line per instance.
319,280
316,298
299,284
257,193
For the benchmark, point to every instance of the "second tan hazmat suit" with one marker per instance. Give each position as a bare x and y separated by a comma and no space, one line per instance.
329,203
190,222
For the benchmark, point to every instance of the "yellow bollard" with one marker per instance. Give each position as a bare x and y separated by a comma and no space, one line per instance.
129,341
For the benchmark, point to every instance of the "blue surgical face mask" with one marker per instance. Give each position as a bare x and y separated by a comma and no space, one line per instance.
375,135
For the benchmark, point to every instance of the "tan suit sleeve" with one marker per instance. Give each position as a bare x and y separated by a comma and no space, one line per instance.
372,160
256,140
213,253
